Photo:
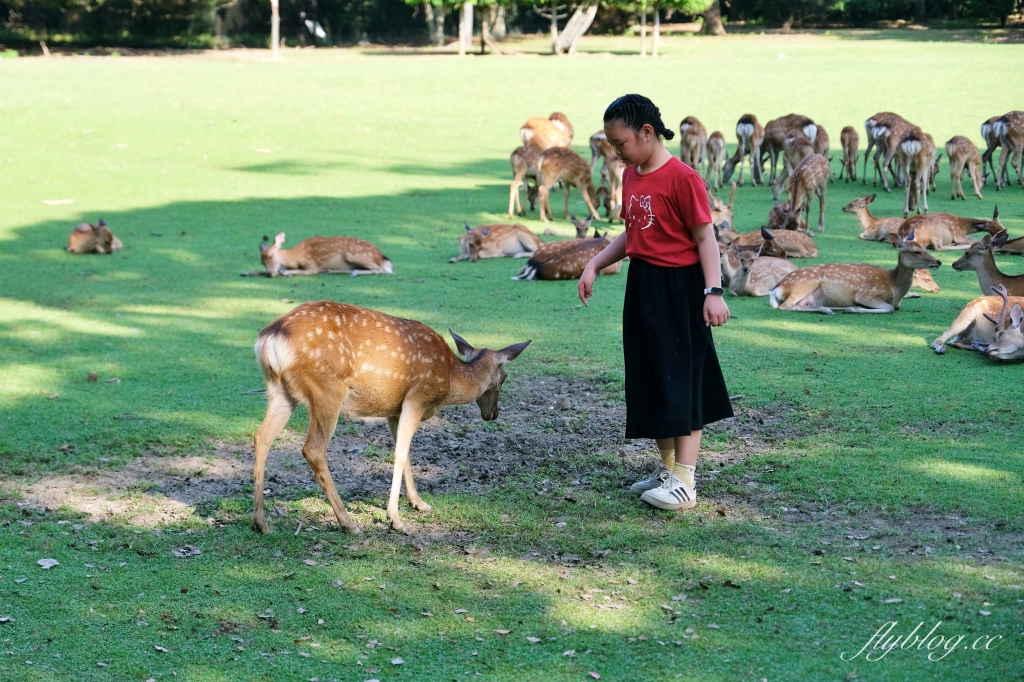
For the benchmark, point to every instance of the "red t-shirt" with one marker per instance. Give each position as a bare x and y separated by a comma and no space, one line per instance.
660,209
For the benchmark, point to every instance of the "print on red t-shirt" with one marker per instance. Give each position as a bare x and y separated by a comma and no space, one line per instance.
660,209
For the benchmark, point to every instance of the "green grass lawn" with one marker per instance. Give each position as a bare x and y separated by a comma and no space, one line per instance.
192,160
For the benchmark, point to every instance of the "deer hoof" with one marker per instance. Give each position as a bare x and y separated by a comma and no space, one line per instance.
422,506
354,529
260,526
396,524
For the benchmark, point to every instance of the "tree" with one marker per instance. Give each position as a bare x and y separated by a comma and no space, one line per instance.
578,24
713,19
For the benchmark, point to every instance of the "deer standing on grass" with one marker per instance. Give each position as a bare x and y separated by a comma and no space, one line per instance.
991,144
978,326
795,244
601,150
561,163
856,288
323,254
849,139
1010,130
339,359
775,132
566,259
809,178
562,121
89,238
946,232
750,134
524,169
887,134
544,133
796,147
879,121
979,257
715,151
693,137
758,274
914,157
496,241
962,154
611,182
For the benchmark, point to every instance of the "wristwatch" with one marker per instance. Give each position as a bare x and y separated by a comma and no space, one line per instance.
714,291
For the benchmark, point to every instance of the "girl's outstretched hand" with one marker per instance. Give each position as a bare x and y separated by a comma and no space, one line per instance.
716,310
586,284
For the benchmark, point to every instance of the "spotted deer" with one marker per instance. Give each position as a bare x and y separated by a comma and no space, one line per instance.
693,137
1010,130
978,325
496,241
566,259
89,238
524,169
314,255
991,144
779,218
544,133
963,155
775,133
796,148
796,244
338,359
561,163
750,134
856,288
849,139
979,257
874,229
715,152
611,183
721,213
809,178
561,121
946,232
887,134
914,156
758,274
601,150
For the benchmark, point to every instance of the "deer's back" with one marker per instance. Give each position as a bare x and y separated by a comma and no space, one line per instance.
542,134
564,163
839,281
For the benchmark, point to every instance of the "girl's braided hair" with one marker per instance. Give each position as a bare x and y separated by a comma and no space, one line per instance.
635,111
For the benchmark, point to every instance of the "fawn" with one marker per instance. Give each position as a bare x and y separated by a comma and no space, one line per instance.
963,155
979,325
566,259
795,148
496,241
758,274
849,139
323,254
945,232
979,257
795,244
715,152
750,134
338,359
693,136
809,178
561,163
875,229
779,218
89,238
524,169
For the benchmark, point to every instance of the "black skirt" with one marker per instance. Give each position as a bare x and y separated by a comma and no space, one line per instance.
674,384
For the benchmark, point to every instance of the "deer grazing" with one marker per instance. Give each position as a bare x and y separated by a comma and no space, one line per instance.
775,132
991,144
561,163
715,152
561,121
915,154
758,274
850,140
750,134
524,169
795,244
721,213
795,148
855,288
337,359
496,241
323,254
946,232
566,259
875,229
1010,131
544,133
978,326
89,238
809,178
693,137
962,154
979,257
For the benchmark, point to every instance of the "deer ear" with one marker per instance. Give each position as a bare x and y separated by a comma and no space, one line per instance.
995,213
1000,238
1016,315
870,198
987,240
895,240
468,228
766,234
487,231
465,350
279,240
512,352
102,223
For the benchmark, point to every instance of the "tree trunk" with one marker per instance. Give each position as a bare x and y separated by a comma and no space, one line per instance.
466,29
657,32
713,20
554,26
578,24
919,11
643,30
435,23
275,28
484,31
498,28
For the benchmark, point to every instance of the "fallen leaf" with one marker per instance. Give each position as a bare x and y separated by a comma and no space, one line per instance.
309,562
6,619
570,653
48,563
631,581
300,610
20,580
336,583
187,551
287,300
713,626
470,619
895,600
161,649
503,632
594,675
985,613
461,611
787,590
397,661
53,396
531,640
113,380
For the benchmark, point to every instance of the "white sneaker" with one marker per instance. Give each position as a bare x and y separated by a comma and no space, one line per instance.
655,480
672,494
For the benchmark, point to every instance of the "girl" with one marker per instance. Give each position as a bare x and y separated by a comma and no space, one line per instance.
674,385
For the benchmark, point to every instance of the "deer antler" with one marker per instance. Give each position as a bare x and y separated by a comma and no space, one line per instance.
1000,291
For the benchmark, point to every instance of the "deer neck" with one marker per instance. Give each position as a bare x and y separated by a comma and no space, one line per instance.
288,258
469,380
867,221
989,274
900,280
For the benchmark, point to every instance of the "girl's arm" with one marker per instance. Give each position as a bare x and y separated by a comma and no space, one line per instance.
716,312
610,255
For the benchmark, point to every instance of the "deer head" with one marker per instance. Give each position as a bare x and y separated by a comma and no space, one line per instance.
974,257
492,367
859,203
270,253
913,255
1008,343
582,226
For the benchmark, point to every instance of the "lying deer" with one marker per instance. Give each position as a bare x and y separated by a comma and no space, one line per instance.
715,152
796,244
721,213
962,155
89,238
566,259
524,169
496,241
914,157
323,254
856,288
750,134
779,218
775,132
808,179
979,323
946,232
1010,130
561,163
875,229
339,359
849,139
1008,344
544,133
693,137
979,257
758,274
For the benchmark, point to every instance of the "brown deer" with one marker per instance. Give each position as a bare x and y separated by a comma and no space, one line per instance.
339,359
850,140
946,232
886,134
779,218
875,229
524,169
775,132
963,154
561,163
543,134
1008,344
1012,246
496,241
758,274
979,257
561,121
750,134
1010,130
991,144
611,182
566,259
809,178
601,150
323,254
979,323
721,213
693,137
796,147
89,238
856,288
715,152
796,244
914,157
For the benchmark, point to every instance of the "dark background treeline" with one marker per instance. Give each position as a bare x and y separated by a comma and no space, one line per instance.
206,23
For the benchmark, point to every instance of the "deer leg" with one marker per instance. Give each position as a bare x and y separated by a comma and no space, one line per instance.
869,305
565,213
513,198
289,273
924,189
1004,154
410,485
544,199
813,302
279,409
821,209
323,419
407,425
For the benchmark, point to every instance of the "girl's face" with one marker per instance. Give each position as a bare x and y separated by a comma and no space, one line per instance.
633,148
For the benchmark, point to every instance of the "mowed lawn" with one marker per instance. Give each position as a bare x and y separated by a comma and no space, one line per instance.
192,160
